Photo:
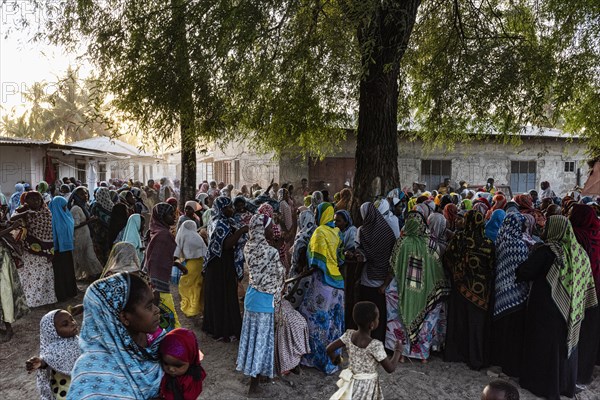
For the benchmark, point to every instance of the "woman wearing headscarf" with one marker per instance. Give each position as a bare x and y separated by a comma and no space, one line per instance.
498,203
160,260
37,273
525,204
416,315
287,219
193,251
481,205
119,317
139,206
451,214
63,228
343,221
345,200
132,233
86,262
466,205
510,296
586,227
123,258
562,289
278,241
323,305
470,261
222,319
315,200
175,204
306,227
118,220
101,209
256,354
166,190
15,198
438,236
43,187
492,226
189,214
307,200
375,242
386,211
528,235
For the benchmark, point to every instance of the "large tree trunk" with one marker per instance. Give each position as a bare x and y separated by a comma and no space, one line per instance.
377,137
186,105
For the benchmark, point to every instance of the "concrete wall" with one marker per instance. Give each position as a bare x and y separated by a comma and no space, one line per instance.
15,166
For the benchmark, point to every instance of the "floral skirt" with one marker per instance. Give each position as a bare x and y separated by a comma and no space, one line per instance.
37,280
323,309
256,353
431,336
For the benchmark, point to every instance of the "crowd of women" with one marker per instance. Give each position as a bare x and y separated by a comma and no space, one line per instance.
481,277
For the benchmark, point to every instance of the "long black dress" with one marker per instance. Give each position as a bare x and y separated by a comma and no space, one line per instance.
589,341
507,341
222,317
546,370
65,284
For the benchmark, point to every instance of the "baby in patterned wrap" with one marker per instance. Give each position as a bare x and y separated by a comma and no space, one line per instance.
360,379
59,349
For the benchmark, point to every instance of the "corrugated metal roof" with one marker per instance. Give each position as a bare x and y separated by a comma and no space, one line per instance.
109,145
23,141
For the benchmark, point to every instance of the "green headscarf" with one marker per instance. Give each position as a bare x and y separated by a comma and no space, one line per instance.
467,204
42,187
419,275
570,277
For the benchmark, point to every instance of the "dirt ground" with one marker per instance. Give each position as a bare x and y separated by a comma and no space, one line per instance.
412,380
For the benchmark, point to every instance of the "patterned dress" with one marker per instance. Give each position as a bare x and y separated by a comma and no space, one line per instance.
13,304
365,361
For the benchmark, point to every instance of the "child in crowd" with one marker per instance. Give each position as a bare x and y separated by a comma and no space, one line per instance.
180,357
500,390
360,379
59,349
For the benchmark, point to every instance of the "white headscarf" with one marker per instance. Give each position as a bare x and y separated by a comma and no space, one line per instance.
390,218
190,244
59,353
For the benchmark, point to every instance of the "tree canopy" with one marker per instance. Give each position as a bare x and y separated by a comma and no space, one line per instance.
291,75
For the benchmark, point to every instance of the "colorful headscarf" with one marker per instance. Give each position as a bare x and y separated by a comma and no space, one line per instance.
511,251
307,200
39,239
570,277
131,234
526,207
467,204
316,199
161,248
59,353
470,257
15,198
324,247
451,215
222,228
63,225
124,367
377,241
586,227
182,344
499,204
493,225
419,275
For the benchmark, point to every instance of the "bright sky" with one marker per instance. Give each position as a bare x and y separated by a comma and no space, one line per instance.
23,62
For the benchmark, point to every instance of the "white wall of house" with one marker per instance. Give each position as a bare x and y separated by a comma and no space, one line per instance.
15,166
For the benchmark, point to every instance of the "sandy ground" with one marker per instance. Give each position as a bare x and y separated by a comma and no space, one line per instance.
434,380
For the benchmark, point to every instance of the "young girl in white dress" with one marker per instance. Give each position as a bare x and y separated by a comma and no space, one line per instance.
360,380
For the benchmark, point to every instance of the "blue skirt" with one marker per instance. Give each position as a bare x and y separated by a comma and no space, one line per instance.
256,353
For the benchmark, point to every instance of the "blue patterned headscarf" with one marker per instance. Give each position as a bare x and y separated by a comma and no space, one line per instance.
493,225
511,251
63,224
222,228
15,199
112,363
